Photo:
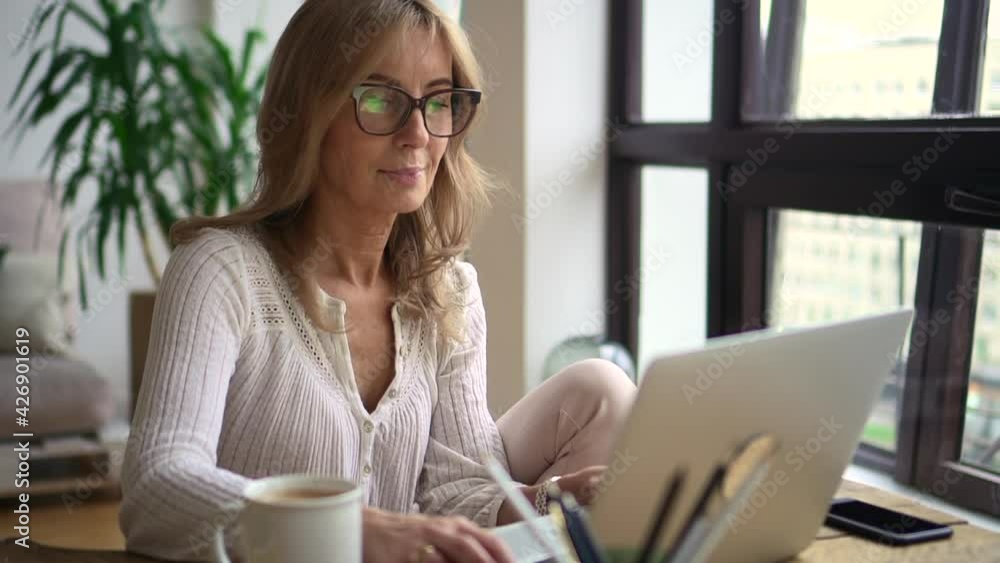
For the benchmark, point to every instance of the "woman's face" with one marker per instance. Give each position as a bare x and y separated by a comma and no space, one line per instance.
389,174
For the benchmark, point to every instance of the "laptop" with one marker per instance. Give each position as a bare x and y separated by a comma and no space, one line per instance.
809,389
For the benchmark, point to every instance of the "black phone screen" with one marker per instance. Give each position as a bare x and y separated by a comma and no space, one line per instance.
881,518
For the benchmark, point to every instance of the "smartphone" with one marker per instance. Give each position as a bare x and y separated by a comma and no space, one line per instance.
882,524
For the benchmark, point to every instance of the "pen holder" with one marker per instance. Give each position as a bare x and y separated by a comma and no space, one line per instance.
626,555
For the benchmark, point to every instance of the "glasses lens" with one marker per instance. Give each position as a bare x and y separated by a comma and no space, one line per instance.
448,113
380,110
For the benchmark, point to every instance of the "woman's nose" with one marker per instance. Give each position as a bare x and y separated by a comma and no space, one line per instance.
414,132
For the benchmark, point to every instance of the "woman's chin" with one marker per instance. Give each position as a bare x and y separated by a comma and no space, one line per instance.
407,203
408,199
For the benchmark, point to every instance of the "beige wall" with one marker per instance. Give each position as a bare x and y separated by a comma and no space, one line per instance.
497,32
540,254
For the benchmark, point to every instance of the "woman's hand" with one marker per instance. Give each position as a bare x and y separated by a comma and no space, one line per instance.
399,538
584,485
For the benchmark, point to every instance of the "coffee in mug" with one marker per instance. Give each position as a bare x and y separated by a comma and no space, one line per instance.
279,496
298,519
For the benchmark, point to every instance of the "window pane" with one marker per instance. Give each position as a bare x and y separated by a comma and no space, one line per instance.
677,60
674,251
858,59
989,96
832,267
981,437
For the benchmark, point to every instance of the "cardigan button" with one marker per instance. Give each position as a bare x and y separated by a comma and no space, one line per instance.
391,393
369,426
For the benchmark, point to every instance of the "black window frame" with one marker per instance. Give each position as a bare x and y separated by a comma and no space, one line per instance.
843,163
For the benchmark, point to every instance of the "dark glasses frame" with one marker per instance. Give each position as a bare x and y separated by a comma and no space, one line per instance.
420,103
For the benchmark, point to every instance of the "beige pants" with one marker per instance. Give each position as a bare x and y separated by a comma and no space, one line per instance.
568,422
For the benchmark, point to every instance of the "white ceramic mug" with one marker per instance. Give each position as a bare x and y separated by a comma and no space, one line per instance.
298,519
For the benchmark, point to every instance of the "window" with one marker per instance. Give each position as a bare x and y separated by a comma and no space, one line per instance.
673,253
981,432
989,99
849,288
866,42
844,153
679,68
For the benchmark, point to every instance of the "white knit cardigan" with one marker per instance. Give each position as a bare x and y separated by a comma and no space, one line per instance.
239,385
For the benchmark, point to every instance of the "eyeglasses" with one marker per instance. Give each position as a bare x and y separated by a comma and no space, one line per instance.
381,109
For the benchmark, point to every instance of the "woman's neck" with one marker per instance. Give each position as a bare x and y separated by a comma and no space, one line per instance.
346,245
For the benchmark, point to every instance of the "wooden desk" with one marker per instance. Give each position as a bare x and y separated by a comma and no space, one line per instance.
968,545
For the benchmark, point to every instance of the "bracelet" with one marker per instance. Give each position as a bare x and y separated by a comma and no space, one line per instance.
542,496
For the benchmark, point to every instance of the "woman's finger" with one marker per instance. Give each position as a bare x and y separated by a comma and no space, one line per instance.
584,483
456,544
496,548
431,556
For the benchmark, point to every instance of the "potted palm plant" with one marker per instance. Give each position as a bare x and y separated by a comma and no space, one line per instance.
162,131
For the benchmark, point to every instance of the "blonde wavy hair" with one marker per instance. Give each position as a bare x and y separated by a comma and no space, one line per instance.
328,47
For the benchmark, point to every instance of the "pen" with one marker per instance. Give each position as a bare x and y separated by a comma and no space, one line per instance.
695,523
584,542
662,514
713,534
700,535
523,509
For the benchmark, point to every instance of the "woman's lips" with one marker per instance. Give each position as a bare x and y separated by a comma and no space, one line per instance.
405,176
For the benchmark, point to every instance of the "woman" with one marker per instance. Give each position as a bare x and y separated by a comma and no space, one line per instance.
328,326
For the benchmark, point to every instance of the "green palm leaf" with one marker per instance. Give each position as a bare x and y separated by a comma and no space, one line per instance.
32,62
105,208
185,117
250,41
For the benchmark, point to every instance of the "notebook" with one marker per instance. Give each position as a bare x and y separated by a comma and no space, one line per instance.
523,545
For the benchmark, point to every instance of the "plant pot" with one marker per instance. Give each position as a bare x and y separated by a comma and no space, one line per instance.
140,314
